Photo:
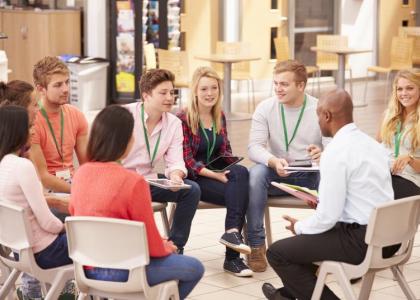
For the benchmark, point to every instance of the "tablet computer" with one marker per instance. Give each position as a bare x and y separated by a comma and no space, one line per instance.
167,184
301,163
222,163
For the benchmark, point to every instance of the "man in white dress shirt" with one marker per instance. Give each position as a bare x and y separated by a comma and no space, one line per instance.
354,179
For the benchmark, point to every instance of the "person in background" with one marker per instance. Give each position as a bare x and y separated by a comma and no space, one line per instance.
284,128
20,185
60,128
158,136
102,187
354,180
20,93
205,138
400,134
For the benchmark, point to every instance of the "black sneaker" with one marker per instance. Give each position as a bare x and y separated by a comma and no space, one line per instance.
237,267
234,241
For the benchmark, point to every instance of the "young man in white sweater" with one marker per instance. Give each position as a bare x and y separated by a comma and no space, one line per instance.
284,129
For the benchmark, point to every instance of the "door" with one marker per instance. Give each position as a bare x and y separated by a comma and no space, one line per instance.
392,15
307,19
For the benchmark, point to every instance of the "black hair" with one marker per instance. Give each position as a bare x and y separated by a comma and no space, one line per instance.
14,129
110,134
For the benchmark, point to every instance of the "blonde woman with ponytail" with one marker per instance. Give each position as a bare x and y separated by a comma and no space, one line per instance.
205,138
400,133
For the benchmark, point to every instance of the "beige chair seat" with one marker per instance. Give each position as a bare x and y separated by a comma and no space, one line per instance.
390,223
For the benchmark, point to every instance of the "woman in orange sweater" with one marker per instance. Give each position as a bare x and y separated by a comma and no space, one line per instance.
103,188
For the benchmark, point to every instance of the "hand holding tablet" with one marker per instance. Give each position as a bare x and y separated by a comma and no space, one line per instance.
167,184
222,163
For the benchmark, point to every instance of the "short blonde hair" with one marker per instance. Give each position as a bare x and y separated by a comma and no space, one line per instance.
193,117
46,67
294,66
395,112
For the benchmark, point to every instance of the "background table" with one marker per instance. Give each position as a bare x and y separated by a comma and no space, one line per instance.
341,53
227,60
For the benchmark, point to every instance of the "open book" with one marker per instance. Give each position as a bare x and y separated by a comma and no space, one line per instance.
298,191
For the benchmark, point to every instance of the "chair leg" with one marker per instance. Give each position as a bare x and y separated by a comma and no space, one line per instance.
345,284
351,83
402,282
388,75
165,221
249,97
253,94
82,296
9,283
56,287
366,285
244,233
171,213
268,233
366,84
319,83
320,282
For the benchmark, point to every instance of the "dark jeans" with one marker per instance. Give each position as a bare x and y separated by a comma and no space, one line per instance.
292,258
233,195
186,204
260,178
403,187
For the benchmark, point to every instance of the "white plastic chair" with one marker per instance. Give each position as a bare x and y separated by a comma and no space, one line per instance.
391,223
117,244
15,233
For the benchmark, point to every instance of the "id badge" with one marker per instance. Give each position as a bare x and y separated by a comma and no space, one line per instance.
64,174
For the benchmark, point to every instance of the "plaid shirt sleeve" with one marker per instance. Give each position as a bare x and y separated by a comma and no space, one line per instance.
191,143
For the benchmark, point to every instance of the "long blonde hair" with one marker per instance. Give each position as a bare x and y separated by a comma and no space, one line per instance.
193,116
395,114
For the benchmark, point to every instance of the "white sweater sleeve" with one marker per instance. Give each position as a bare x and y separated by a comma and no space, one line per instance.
258,138
32,189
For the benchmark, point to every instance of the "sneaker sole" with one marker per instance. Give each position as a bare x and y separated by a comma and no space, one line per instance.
243,250
249,274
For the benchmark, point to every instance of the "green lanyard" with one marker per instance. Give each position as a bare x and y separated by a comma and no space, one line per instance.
44,114
210,148
397,140
283,118
146,138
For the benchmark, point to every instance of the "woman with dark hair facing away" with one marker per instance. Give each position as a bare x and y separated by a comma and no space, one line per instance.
205,138
103,187
400,133
20,93
20,185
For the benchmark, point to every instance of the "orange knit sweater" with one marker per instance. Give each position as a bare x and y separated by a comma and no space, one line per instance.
108,190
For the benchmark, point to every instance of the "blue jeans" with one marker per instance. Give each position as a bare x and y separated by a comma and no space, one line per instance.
233,195
186,204
187,270
260,177
55,255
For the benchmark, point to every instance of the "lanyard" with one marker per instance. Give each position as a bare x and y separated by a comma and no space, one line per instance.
44,114
283,118
146,138
210,148
397,140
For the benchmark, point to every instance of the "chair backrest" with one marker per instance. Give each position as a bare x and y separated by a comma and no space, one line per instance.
149,56
281,44
108,243
176,62
240,69
413,32
401,53
329,61
391,223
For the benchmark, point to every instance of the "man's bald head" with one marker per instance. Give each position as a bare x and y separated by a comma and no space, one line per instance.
335,109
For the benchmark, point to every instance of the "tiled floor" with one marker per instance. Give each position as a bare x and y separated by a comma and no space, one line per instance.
208,225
